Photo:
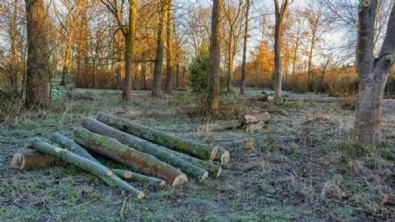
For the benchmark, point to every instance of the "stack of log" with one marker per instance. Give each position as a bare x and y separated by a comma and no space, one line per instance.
251,123
151,156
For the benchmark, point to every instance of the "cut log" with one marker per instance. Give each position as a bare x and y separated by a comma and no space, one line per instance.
145,147
141,178
219,126
222,156
31,160
93,167
388,200
137,160
69,144
252,119
213,169
256,127
193,148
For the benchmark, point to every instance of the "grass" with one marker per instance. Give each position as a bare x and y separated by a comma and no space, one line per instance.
302,166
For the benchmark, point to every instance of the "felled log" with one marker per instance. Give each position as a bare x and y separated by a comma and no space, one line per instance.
213,169
69,144
222,156
31,160
388,200
145,147
219,126
256,127
94,168
141,178
193,148
252,119
137,160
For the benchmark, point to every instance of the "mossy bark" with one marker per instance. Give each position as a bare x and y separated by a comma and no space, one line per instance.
69,144
145,147
93,167
140,178
135,159
193,148
213,169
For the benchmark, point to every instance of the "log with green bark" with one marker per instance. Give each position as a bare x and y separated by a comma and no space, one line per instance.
67,143
31,159
176,143
145,147
222,156
135,159
93,167
137,177
213,169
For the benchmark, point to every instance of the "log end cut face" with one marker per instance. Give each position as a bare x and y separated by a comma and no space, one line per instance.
225,157
140,195
180,180
18,162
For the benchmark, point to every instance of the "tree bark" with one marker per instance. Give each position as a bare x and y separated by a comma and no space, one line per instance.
140,178
372,73
145,147
213,169
169,50
138,161
173,142
31,160
69,144
93,167
129,51
218,126
244,62
38,65
215,57
279,14
156,84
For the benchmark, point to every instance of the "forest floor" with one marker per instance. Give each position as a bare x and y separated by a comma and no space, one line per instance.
303,167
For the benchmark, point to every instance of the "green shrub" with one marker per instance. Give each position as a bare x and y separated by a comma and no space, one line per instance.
199,73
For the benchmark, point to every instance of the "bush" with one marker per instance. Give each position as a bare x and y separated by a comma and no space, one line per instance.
199,74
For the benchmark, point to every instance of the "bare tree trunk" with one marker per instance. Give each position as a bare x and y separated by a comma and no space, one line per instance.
169,53
38,64
372,73
310,81
244,63
129,50
66,64
215,57
156,85
279,14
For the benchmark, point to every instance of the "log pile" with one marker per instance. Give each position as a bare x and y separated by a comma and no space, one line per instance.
251,124
148,156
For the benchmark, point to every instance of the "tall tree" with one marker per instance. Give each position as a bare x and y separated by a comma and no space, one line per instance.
38,64
233,29
244,62
215,57
169,49
128,31
156,85
317,26
280,10
372,72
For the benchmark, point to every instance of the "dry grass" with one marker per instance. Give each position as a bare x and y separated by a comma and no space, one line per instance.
301,167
